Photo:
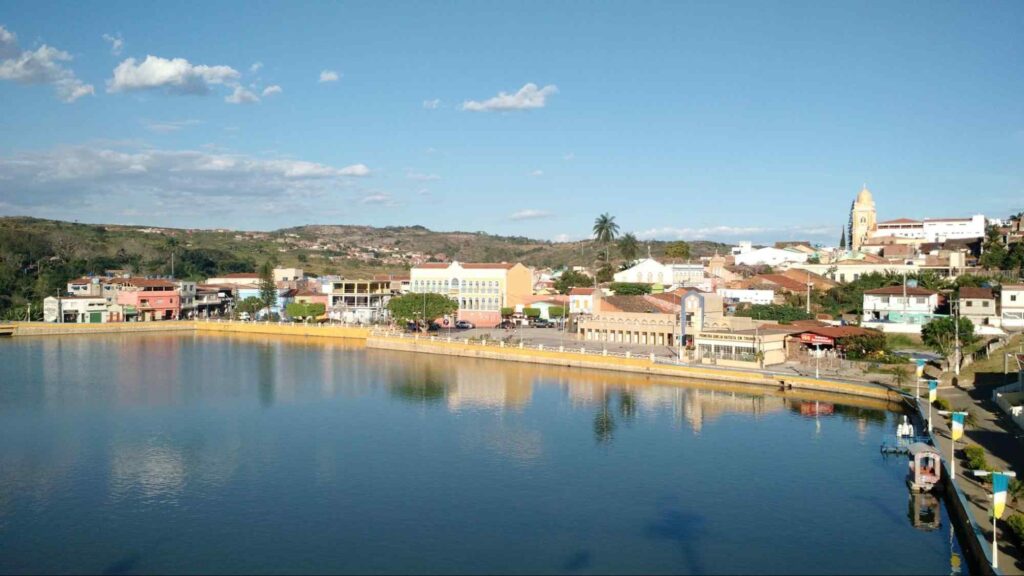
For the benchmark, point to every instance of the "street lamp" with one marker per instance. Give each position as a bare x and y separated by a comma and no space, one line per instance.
1000,483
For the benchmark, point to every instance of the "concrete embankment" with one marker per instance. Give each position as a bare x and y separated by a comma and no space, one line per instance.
635,365
273,328
51,329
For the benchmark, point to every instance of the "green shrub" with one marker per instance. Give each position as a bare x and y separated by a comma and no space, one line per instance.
531,312
1016,523
976,458
942,404
630,288
507,311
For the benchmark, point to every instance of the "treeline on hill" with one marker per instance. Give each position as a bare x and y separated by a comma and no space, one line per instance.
34,265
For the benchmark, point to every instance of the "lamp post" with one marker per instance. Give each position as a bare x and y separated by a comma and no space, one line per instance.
1000,479
956,430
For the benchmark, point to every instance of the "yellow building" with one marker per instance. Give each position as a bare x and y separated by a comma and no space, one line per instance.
863,219
481,289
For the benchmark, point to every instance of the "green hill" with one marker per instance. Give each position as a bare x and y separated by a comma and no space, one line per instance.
38,257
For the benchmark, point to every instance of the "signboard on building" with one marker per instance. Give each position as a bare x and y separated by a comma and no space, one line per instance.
808,338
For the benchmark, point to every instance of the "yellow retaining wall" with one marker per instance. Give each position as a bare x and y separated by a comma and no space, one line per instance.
636,365
52,329
286,329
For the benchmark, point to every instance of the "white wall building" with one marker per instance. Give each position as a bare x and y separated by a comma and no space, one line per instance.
770,257
1012,305
899,309
650,271
933,229
749,296
80,309
581,300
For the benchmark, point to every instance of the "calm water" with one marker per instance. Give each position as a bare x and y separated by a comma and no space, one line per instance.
193,453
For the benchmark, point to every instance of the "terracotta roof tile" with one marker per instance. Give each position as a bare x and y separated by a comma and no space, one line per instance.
898,291
978,293
579,291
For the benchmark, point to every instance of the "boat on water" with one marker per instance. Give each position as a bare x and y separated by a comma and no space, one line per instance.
925,467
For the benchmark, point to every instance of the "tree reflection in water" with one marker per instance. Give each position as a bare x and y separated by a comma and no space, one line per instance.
426,389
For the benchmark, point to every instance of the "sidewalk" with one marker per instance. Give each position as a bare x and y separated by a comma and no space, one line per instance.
1004,446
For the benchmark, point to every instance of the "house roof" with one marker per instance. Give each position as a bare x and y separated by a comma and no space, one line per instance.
143,282
469,265
579,291
802,276
781,281
838,332
898,291
900,221
83,280
239,275
977,293
637,304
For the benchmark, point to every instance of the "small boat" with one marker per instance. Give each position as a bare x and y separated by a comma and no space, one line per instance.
925,467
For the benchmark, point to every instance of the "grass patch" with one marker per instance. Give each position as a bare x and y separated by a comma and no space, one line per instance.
905,342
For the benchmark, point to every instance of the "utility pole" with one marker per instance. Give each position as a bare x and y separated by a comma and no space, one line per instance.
808,291
956,336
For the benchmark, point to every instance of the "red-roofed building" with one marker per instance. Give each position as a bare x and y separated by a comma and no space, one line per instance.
979,306
900,308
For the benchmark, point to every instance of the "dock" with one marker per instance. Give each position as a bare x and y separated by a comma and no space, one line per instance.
6,329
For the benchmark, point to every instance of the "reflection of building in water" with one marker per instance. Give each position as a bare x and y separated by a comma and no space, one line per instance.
702,406
489,386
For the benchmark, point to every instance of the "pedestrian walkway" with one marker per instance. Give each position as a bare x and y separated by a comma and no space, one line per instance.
1004,446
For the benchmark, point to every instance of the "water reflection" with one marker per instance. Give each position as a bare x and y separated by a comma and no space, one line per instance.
193,453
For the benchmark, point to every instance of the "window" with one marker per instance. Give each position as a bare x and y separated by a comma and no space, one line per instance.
1013,297
970,303
984,304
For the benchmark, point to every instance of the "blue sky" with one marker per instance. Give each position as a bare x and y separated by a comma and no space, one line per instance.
728,121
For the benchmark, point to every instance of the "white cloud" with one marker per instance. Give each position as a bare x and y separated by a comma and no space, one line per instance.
529,214
528,97
419,177
329,76
163,126
568,157
8,43
134,177
255,67
432,104
41,66
272,89
116,43
176,76
241,95
537,173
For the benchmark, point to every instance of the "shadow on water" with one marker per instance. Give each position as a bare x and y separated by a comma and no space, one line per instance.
684,528
428,388
123,565
581,560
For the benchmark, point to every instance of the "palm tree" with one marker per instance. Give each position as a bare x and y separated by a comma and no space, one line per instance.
605,231
629,247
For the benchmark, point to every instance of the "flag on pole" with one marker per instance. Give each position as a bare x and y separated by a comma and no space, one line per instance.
920,367
933,390
1000,482
958,425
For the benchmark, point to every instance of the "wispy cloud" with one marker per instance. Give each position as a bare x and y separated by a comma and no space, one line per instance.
378,199
116,43
329,76
44,65
528,97
420,177
537,173
271,90
163,126
569,156
256,66
432,104
529,214
733,232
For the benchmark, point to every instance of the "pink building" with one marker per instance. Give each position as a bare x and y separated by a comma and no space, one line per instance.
145,299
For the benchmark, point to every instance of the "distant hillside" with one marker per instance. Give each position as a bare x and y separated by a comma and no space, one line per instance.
37,256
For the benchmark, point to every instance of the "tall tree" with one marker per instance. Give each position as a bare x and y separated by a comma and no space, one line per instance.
268,290
571,279
940,334
421,308
678,249
842,240
605,231
629,247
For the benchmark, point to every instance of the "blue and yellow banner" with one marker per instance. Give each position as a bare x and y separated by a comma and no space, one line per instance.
958,425
1000,483
933,390
920,367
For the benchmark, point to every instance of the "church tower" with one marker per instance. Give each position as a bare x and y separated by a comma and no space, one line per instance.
862,219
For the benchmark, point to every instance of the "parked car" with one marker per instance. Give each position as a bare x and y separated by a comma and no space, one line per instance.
464,325
506,325
434,327
542,323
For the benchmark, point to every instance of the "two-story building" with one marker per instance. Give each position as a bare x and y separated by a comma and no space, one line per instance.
650,271
979,306
480,289
900,308
77,308
1011,306
581,300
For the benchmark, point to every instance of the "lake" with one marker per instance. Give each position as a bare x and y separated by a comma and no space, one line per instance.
190,453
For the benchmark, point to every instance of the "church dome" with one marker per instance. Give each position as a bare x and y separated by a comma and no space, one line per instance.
865,196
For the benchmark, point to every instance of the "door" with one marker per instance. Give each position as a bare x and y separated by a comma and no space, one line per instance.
95,317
